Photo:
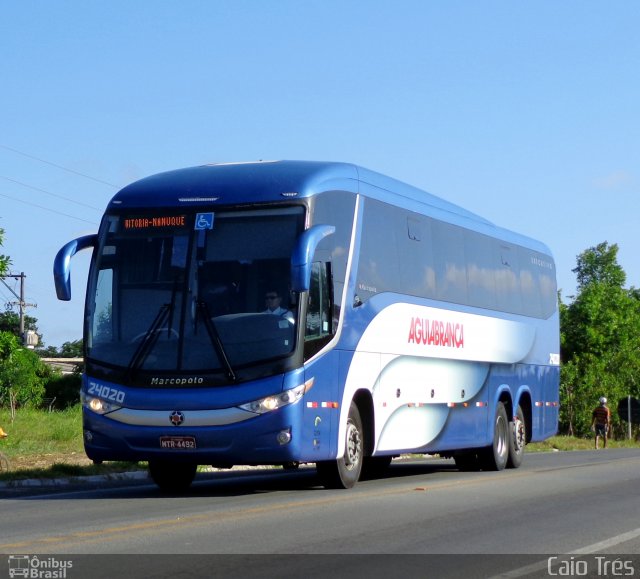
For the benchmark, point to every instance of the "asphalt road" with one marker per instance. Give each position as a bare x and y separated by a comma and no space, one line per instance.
575,504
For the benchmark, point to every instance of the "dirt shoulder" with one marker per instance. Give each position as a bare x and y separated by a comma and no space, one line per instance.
45,461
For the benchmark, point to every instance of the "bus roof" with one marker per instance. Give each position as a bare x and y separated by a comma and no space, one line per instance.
275,181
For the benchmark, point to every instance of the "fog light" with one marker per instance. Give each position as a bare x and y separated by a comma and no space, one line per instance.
284,437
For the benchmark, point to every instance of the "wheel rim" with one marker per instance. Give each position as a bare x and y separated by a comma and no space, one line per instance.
518,434
353,450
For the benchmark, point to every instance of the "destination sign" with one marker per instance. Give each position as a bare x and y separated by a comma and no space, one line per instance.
156,222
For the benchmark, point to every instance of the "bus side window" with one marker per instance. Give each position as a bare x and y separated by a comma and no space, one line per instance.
318,329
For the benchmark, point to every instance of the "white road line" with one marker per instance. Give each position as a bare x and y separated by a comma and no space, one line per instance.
594,548
598,547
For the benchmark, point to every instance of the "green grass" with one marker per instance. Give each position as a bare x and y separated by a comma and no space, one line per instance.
39,434
566,443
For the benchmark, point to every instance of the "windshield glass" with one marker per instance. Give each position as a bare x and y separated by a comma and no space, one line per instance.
194,292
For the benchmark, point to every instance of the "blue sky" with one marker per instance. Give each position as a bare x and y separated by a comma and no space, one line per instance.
524,112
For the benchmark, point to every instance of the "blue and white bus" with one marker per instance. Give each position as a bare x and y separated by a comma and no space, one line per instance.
405,325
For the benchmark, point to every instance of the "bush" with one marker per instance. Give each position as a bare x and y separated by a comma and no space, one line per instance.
22,374
65,388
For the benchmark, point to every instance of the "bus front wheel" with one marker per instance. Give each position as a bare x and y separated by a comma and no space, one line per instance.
172,477
345,472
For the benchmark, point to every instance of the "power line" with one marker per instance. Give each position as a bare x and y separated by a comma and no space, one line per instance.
58,166
4,298
49,193
47,209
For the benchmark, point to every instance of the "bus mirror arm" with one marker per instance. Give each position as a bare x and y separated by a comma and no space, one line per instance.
61,269
302,254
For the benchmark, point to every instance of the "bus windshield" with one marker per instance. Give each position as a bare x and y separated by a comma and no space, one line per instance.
193,292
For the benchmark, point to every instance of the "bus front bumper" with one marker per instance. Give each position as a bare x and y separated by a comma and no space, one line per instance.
271,438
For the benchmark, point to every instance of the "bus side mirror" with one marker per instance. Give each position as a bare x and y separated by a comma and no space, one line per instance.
303,253
61,269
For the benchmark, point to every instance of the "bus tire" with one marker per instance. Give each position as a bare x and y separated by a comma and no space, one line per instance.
517,439
344,473
495,457
172,477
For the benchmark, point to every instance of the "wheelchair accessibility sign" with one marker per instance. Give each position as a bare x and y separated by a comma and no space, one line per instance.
204,221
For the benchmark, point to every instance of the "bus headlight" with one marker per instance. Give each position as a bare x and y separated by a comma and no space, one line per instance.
98,405
276,401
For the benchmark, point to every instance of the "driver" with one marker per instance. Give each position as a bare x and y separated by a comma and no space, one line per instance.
273,301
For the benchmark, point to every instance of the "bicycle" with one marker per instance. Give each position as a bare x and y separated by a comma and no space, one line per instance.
5,465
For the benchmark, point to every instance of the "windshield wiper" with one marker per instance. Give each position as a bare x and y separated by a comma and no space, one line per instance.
149,340
203,310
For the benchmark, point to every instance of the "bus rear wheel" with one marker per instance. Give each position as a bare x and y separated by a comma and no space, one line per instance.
495,457
172,477
344,473
517,439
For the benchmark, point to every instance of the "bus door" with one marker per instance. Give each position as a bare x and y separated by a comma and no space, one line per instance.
322,407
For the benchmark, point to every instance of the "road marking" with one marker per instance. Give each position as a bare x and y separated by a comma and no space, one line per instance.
332,499
598,547
588,550
328,498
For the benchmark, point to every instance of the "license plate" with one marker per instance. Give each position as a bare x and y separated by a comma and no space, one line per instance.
178,442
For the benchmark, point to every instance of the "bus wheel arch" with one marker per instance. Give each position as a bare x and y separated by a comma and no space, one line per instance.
373,466
527,411
364,402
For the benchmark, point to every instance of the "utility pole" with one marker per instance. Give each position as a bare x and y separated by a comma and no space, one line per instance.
20,303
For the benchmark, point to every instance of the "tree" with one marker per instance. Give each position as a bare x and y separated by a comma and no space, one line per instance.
22,374
599,265
10,322
67,350
71,349
5,262
48,352
600,339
